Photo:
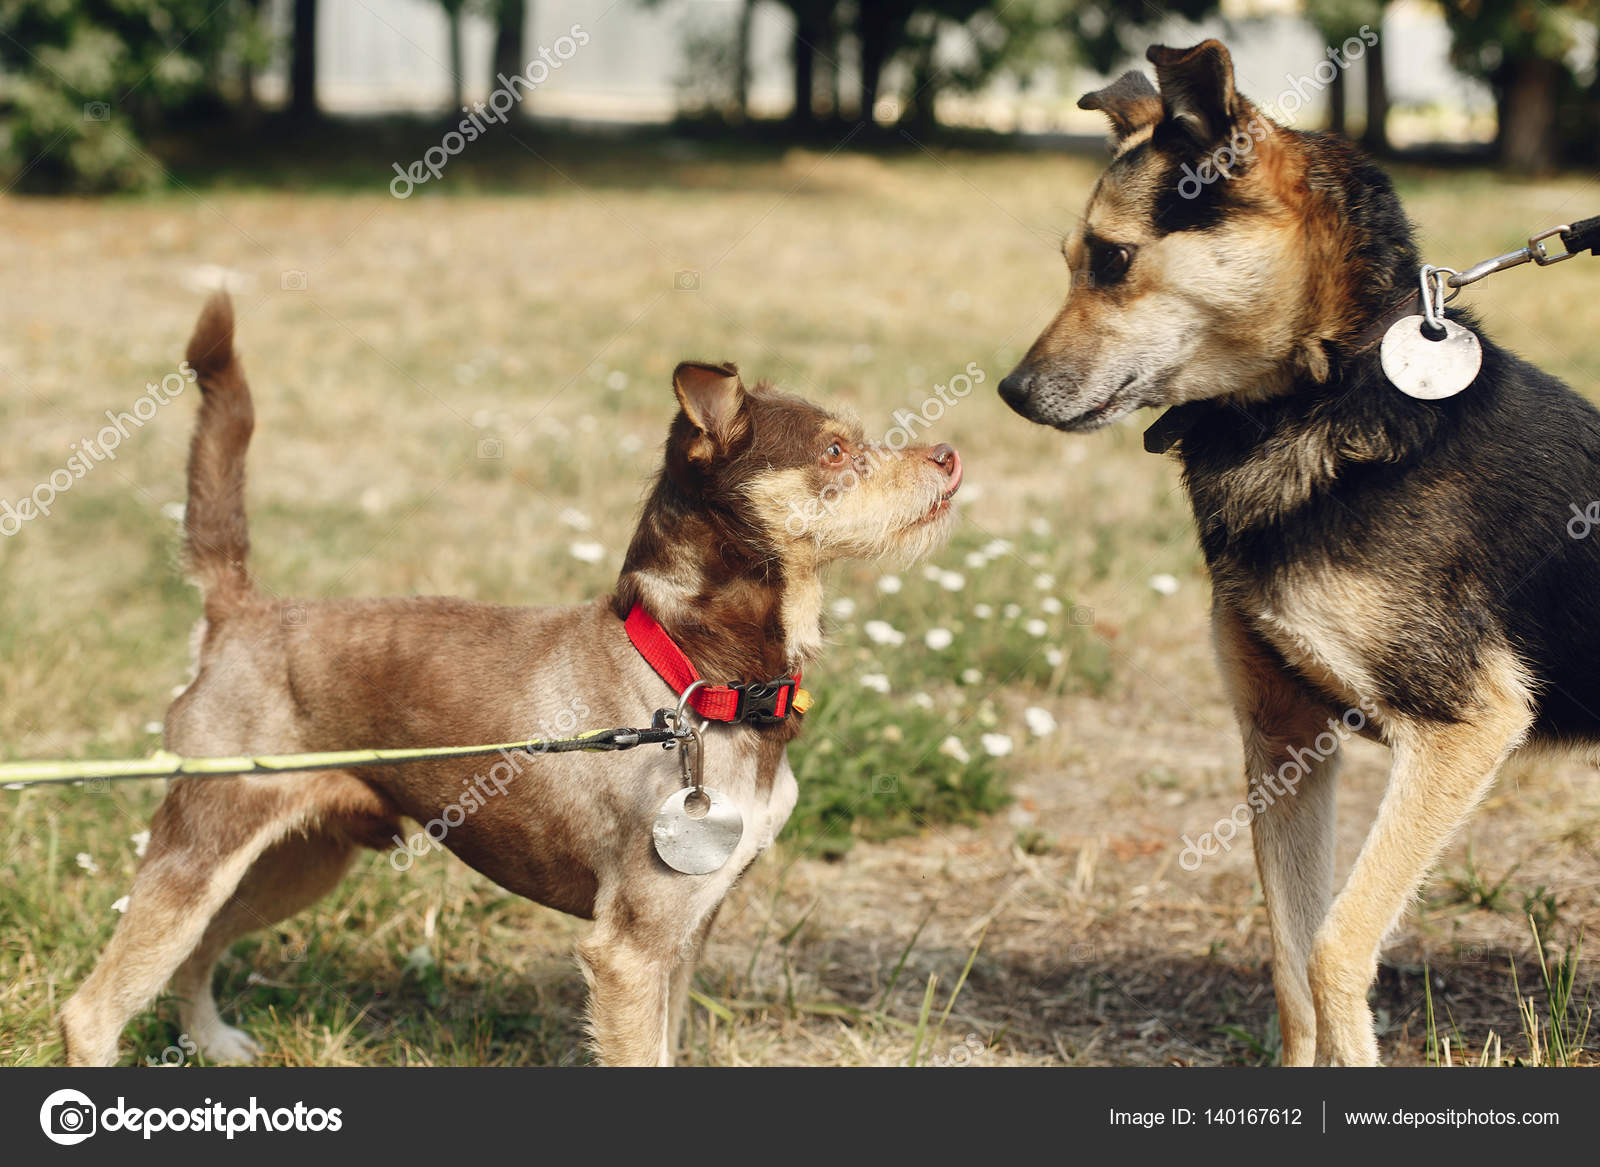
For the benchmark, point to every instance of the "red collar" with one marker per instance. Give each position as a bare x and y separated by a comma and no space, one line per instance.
760,702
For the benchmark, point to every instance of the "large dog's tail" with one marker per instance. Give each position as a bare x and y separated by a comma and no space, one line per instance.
216,537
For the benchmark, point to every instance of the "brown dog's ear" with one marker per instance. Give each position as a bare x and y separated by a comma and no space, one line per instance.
1131,103
1197,88
712,397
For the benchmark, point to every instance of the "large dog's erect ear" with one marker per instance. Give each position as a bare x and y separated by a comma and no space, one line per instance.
712,397
1197,88
1131,103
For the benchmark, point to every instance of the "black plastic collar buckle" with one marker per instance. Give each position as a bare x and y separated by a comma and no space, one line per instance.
758,701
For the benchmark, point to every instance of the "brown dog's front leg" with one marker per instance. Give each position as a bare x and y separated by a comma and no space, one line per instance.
630,983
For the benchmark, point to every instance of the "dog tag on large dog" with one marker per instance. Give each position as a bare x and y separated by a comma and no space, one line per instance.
1430,369
697,830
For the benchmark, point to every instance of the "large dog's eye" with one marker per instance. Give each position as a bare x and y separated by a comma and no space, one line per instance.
1108,262
835,455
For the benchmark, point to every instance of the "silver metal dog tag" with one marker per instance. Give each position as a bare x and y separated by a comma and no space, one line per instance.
697,830
1430,369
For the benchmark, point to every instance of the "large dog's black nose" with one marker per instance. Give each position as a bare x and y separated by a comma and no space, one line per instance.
1014,389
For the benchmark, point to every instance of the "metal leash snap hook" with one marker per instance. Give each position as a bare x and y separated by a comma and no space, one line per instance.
697,828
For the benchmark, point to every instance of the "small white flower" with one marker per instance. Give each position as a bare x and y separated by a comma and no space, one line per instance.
922,700
1164,583
844,607
971,676
86,861
995,548
140,842
889,584
588,552
120,905
1012,611
982,611
1040,721
882,632
952,581
977,560
575,519
951,747
1054,657
996,745
1040,527
1044,581
932,572
893,734
1036,628
1050,605
877,682
939,639
616,380
153,727
173,511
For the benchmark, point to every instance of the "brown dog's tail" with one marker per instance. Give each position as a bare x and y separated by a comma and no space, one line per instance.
216,536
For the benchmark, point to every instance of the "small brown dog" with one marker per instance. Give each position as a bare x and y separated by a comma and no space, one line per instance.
717,560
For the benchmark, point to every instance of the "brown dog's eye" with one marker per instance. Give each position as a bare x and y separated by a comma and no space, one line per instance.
834,455
1108,262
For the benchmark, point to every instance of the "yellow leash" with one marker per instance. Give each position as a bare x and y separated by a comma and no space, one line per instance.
164,764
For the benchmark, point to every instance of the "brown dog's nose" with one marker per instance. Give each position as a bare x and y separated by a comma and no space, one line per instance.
945,457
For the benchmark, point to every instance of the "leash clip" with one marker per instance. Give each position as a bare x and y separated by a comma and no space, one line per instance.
1435,281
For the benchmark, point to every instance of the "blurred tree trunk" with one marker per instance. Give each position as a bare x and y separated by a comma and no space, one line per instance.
248,106
1527,106
874,37
510,31
805,66
303,60
1338,103
741,78
457,92
1375,135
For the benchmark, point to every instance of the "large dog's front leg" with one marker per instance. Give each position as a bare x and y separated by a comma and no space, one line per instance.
1290,786
1440,773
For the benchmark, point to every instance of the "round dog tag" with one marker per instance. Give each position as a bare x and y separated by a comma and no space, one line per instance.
1430,369
697,830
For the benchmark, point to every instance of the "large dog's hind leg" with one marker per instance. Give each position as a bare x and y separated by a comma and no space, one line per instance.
1440,773
1293,785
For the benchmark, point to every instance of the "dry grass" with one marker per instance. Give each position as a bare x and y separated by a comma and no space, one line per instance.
544,315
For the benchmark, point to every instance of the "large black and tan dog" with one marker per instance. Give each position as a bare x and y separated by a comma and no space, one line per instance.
1368,551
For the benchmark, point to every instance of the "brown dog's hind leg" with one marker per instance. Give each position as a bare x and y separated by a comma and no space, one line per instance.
1293,824
1439,774
201,844
290,875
